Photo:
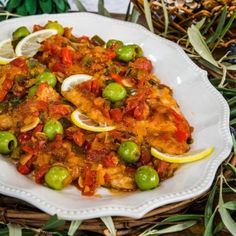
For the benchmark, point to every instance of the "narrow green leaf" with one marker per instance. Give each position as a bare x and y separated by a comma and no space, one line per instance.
176,228
228,165
148,15
208,227
200,23
233,121
210,23
53,223
74,225
102,10
107,220
14,230
134,15
4,231
183,217
219,227
80,6
200,45
233,67
231,205
166,17
228,221
219,27
209,206
232,101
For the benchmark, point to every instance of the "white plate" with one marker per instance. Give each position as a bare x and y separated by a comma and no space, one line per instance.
203,106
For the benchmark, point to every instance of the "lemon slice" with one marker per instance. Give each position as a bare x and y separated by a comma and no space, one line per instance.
30,45
86,123
7,53
73,80
187,157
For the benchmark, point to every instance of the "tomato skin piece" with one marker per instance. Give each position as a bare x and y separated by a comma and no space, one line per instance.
67,57
24,138
162,168
39,174
117,78
182,135
37,28
59,110
6,86
78,138
116,114
27,149
89,182
20,62
143,63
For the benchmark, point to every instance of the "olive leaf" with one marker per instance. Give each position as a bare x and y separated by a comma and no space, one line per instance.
233,67
231,205
166,17
53,223
102,10
148,15
200,45
228,221
107,220
208,227
182,217
14,229
73,227
134,15
80,6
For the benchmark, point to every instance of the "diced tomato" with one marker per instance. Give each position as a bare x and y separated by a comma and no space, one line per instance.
145,157
59,110
182,135
177,116
27,149
67,56
57,142
41,105
110,54
5,88
116,114
38,128
37,28
162,169
143,63
58,67
39,174
78,138
23,169
117,78
19,62
24,137
138,112
109,161
89,182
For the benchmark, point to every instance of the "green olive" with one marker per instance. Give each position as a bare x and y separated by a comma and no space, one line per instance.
20,33
47,77
33,90
146,178
129,152
8,142
52,128
126,53
138,50
114,44
55,25
114,92
55,177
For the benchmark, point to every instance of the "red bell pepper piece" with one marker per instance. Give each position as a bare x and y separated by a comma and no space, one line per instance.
67,57
39,174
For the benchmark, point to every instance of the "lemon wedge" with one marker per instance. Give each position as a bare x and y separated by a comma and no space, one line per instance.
187,157
7,53
73,80
86,123
30,45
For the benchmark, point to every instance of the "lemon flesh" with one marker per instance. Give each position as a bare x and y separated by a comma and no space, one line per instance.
7,53
73,80
188,157
30,45
86,123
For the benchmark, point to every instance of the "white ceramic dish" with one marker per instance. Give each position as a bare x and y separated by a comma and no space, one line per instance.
203,106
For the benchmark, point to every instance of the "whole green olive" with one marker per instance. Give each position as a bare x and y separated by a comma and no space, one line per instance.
126,53
8,142
47,77
146,178
33,90
55,176
114,92
138,50
114,44
129,152
55,25
52,128
20,33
